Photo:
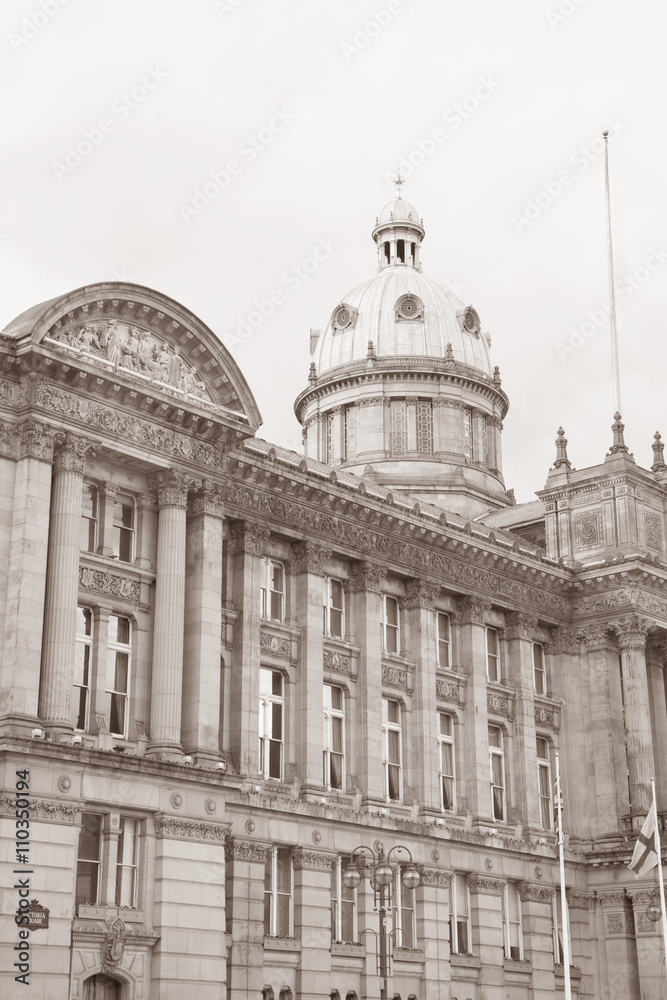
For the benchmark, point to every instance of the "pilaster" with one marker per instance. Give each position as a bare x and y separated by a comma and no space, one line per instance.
244,892
538,940
473,617
312,922
648,937
433,930
366,739
631,635
616,930
520,630
487,932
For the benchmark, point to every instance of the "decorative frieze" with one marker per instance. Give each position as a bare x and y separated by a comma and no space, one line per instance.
547,716
609,601
612,900
310,558
498,703
108,583
333,660
51,810
483,884
275,645
528,891
245,850
312,860
176,828
394,676
435,877
447,690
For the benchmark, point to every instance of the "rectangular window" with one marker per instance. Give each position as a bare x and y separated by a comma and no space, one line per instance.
350,432
118,674
399,427
343,904
83,651
88,860
89,515
512,932
424,426
493,656
544,780
278,892
391,743
330,438
273,590
444,641
271,711
390,625
334,608
482,440
468,437
447,775
539,669
403,913
123,528
497,762
126,863
459,916
334,737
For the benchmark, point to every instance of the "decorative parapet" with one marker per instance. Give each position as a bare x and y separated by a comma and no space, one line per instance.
175,828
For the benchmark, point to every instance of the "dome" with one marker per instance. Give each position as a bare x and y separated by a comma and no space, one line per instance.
404,314
399,210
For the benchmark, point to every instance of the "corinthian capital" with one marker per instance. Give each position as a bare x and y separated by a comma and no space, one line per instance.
249,538
419,594
208,499
631,632
595,636
367,576
309,557
36,440
473,611
519,625
172,487
563,640
70,456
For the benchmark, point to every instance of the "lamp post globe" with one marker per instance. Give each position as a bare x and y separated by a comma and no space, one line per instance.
351,876
383,874
410,877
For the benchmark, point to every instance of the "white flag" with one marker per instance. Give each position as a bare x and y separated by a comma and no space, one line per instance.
645,856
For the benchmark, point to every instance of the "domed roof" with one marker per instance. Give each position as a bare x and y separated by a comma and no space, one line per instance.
404,314
399,210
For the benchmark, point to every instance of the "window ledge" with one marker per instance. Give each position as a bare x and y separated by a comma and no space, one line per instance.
521,967
466,961
409,955
347,948
281,944
127,914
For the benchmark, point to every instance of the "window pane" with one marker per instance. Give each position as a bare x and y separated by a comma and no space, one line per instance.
336,698
89,837
495,736
462,933
445,725
492,641
336,626
391,611
283,927
87,876
276,577
117,715
393,712
393,747
447,793
81,663
84,621
443,627
277,683
497,769
542,748
120,628
120,672
394,782
275,759
447,758
80,707
337,594
276,606
276,721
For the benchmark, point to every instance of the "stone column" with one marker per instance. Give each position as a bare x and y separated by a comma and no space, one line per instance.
245,867
366,740
473,616
519,632
538,939
433,931
62,588
656,653
423,724
579,906
487,929
246,543
203,616
603,731
648,939
28,485
168,626
308,565
616,934
631,636
312,922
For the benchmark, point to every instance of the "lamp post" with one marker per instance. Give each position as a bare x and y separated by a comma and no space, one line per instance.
381,878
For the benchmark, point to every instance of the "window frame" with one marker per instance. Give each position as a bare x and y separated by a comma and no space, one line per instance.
117,529
87,641
541,670
94,520
498,752
330,713
447,739
116,647
272,858
90,861
493,657
387,626
122,864
266,715
328,607
387,728
508,923
403,901
337,901
424,429
459,886
350,432
544,766
443,644
468,434
267,591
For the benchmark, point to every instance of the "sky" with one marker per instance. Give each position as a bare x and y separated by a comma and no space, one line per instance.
205,149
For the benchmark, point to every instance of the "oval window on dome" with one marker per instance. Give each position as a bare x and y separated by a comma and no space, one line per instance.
343,317
409,307
471,320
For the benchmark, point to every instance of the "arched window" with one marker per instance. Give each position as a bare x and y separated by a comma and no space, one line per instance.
101,988
267,993
285,994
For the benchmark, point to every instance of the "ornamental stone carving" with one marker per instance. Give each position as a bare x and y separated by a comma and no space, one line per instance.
473,611
311,860
545,716
651,602
596,637
489,886
71,454
333,660
367,576
243,850
447,690
247,538
497,704
37,440
176,828
419,594
631,632
536,893
125,426
172,487
208,499
114,945
577,900
653,531
276,645
612,900
394,676
609,601
108,583
588,529
310,558
563,640
519,625
53,810
435,877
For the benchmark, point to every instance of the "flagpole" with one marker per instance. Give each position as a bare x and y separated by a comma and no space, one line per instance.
663,911
563,895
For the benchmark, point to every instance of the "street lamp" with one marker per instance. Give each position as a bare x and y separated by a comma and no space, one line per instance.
381,877
653,911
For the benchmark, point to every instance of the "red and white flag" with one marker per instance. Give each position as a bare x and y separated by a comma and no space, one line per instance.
645,856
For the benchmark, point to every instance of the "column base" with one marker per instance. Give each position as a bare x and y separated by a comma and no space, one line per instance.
58,732
165,751
205,757
20,725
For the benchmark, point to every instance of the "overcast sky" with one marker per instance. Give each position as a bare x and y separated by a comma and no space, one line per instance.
115,116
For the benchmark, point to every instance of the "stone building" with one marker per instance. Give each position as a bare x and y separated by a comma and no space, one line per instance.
226,666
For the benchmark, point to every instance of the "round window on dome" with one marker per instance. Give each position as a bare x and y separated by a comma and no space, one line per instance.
409,307
343,317
471,320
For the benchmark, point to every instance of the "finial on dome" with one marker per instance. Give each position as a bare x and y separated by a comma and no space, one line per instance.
496,375
312,372
562,460
618,445
398,181
449,354
658,454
